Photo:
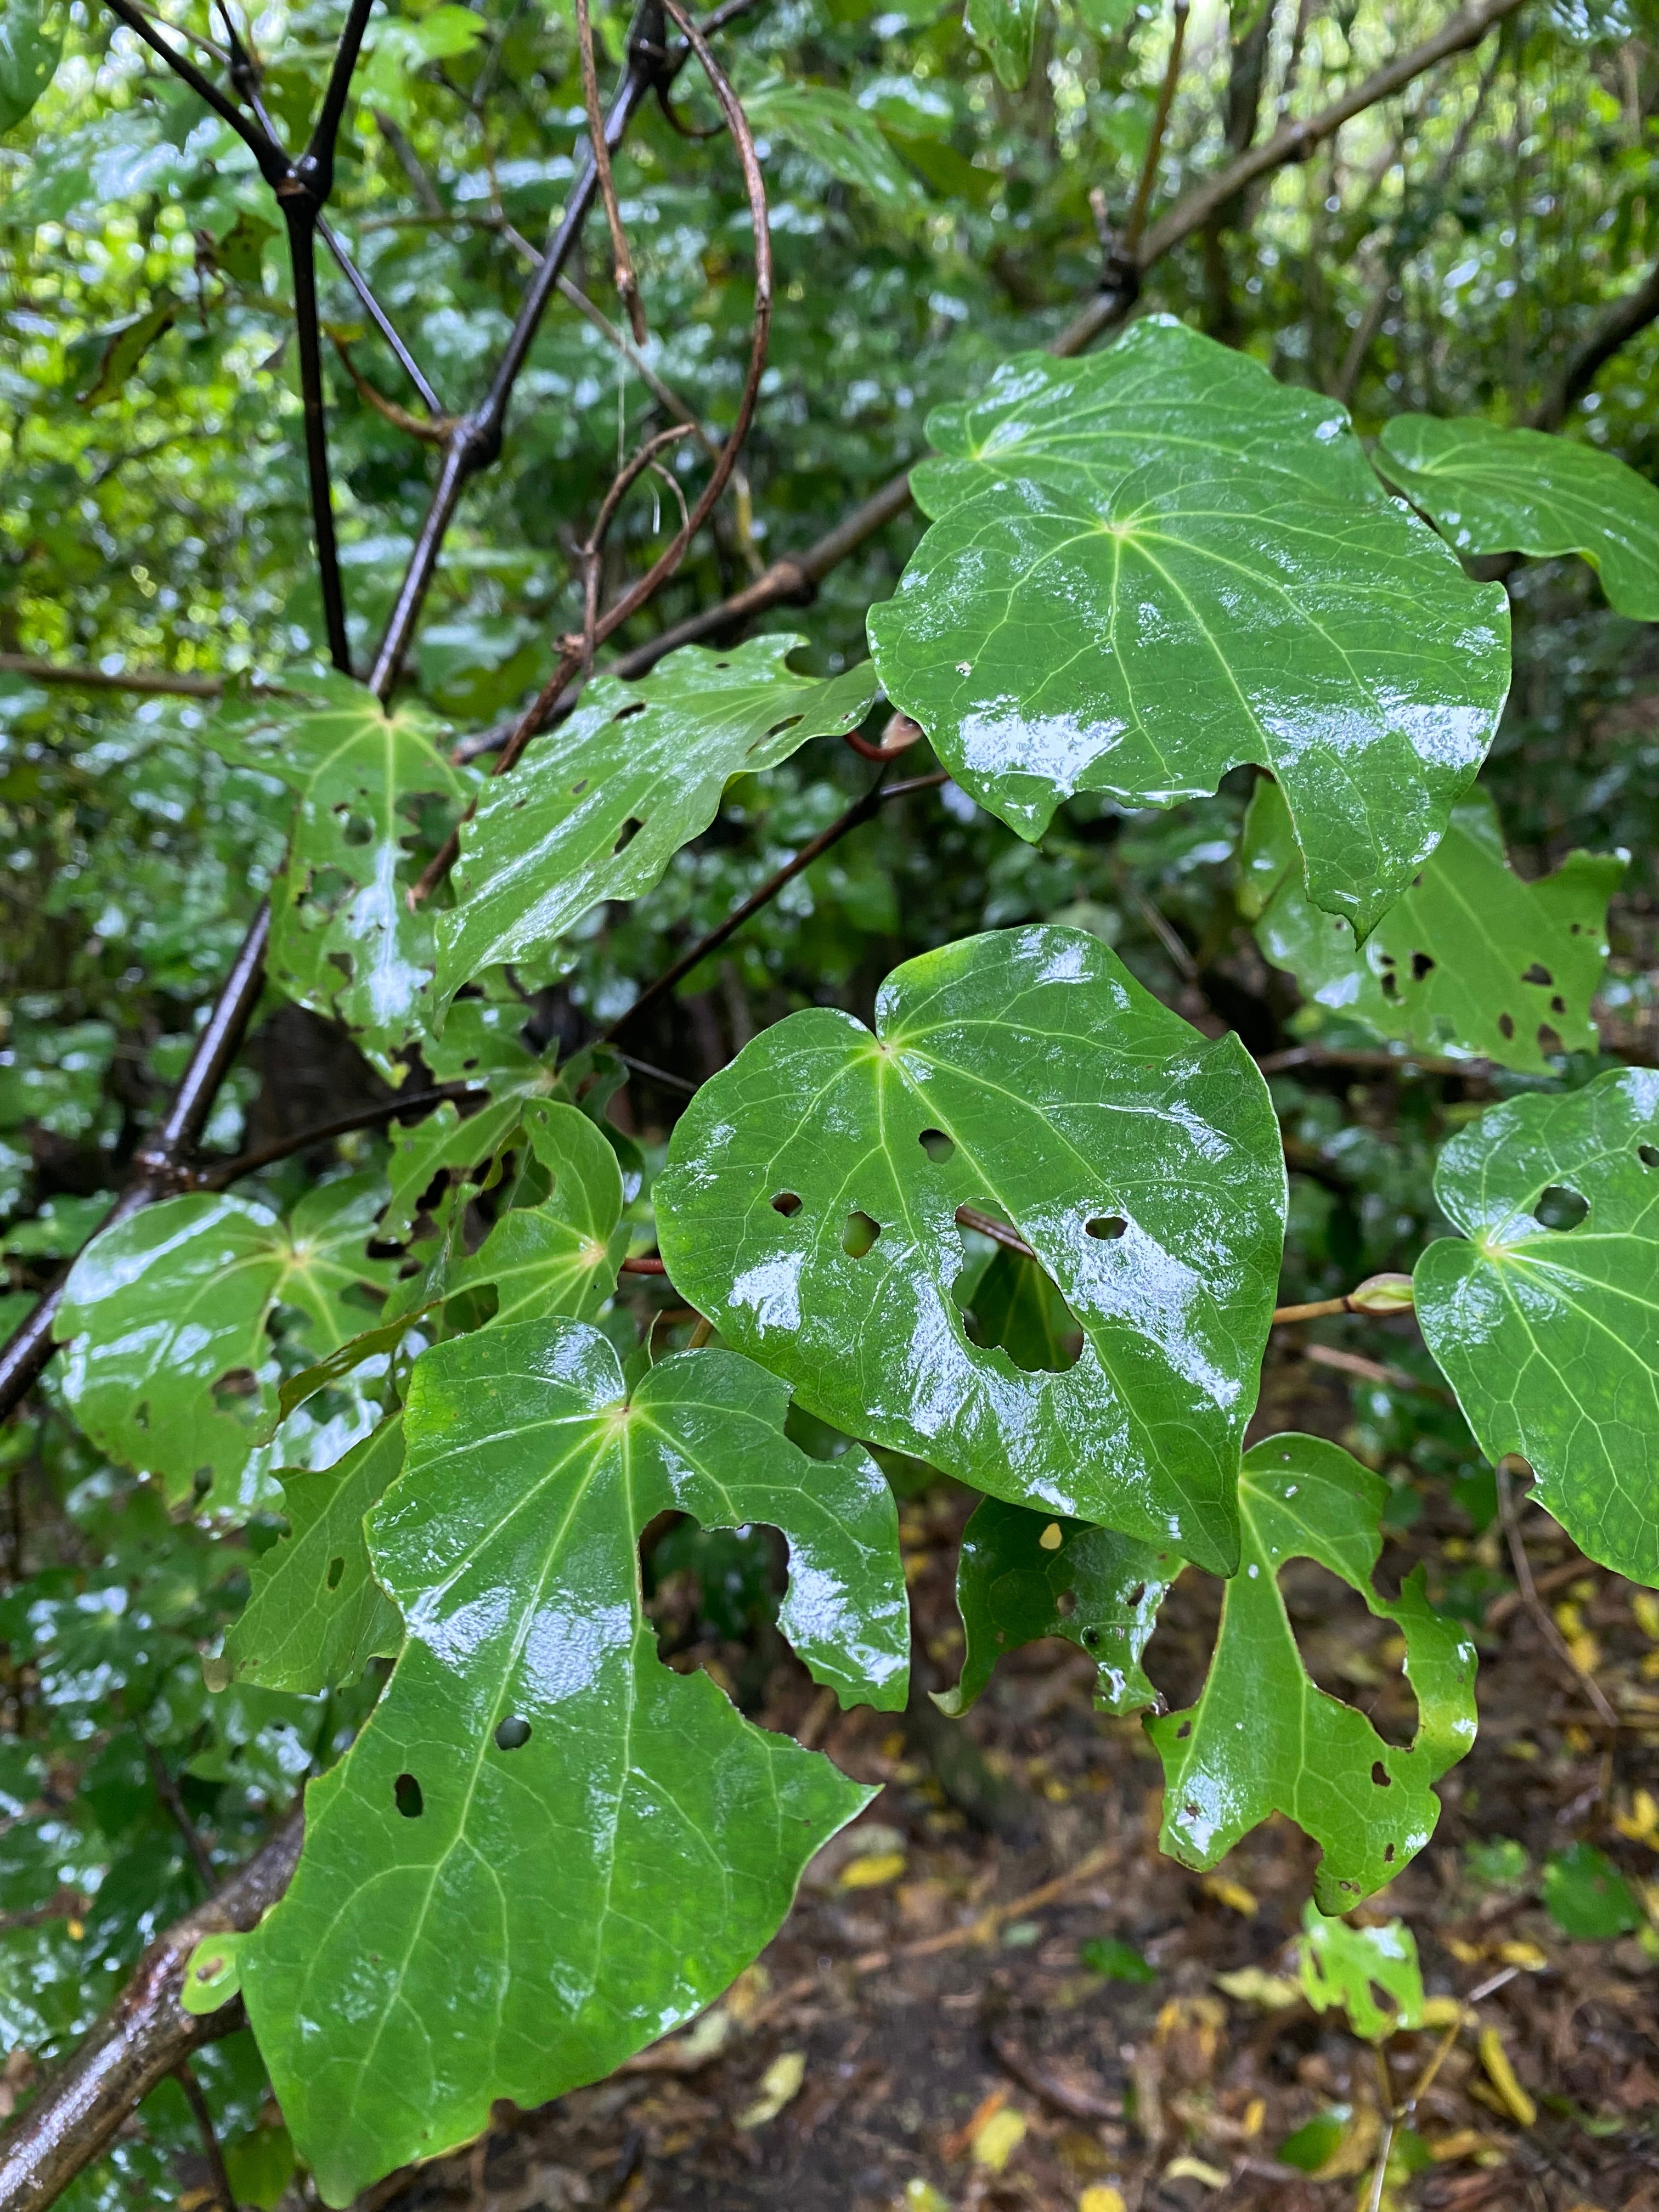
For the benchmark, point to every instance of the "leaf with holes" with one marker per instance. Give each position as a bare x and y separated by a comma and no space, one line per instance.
315,1615
597,807
559,1255
1548,1334
1262,1738
1151,565
171,1364
1472,962
480,1044
809,1208
1354,1967
1006,31
613,1838
1492,490
375,793
1023,1575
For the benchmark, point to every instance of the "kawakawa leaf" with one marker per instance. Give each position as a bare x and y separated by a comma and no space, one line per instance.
1263,1739
1492,490
1353,1966
545,1849
809,1208
1550,1335
597,807
375,794
830,126
1472,962
1006,31
1149,565
171,1365
315,1615
560,1254
480,1044
1023,1575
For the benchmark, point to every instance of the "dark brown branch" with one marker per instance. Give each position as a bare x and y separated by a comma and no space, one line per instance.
1166,91
150,680
628,289
273,162
431,429
315,166
378,315
219,1174
183,2074
300,212
167,1789
144,2035
1616,327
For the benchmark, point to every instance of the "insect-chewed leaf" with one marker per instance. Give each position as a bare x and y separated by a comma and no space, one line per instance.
343,940
545,1849
597,807
480,1045
560,1256
1472,961
1262,1738
809,1208
1021,1575
1349,1966
315,1614
1548,1334
1493,490
170,1365
1149,566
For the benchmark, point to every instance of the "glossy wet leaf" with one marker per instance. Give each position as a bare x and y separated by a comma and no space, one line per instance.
1587,1897
1549,1336
1262,1738
809,1206
170,1364
375,794
1152,564
28,57
830,126
1005,29
1472,961
480,1045
1353,1967
599,806
315,1615
1493,490
613,1838
559,1255
1023,1575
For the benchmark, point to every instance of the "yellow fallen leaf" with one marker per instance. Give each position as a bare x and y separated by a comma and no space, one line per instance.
1641,1823
1255,2113
1569,1618
1585,1652
871,1871
1501,2074
1255,1985
1441,2012
1527,1955
780,2081
1645,1606
921,2196
1466,1954
995,2143
1101,2197
1052,1537
1193,2169
746,1994
1232,1894
1463,2143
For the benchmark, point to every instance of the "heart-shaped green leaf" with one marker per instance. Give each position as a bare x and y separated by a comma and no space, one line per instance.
1263,1739
170,1364
545,1849
560,1255
1492,490
597,807
1472,960
1151,565
375,793
1550,1335
809,1208
480,1045
1023,1575
315,1615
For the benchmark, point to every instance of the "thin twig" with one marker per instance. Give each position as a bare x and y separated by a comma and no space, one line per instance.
158,682
1542,1618
273,162
219,1174
628,289
167,1789
217,2175
432,429
1166,91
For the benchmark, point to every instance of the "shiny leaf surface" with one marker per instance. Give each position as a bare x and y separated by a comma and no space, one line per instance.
809,1208
1262,1738
1548,1334
1151,565
480,1045
1005,29
560,1255
1493,490
597,807
1472,962
615,1840
831,126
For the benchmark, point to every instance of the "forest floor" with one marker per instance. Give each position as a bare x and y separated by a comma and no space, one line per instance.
923,2036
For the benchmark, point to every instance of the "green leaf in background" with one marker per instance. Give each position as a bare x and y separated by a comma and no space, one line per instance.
28,57
59,1229
1492,490
1262,1738
342,939
809,1208
480,1044
560,1256
241,251
597,807
1472,961
1550,1335
128,345
1115,1961
839,134
613,1838
1341,1964
315,1615
1152,564
1023,1575
1006,30
170,1364
1587,1897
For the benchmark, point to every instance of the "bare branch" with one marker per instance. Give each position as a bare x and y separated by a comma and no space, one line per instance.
218,2174
378,315
1615,328
628,289
273,163
80,678
433,429
1160,123
301,215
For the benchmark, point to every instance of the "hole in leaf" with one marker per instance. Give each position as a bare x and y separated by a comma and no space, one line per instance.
1090,1637
937,1147
1066,1604
1108,1227
356,830
512,1733
860,1233
627,713
786,1203
1380,1998
407,1792
1381,1775
141,1414
1017,1307
1387,1855
1538,974
1342,1644
1183,1731
238,1383
1558,1004
1560,1208
336,1568
1390,983
1648,1155
1549,1040
1421,963
577,789
625,836
1506,1025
